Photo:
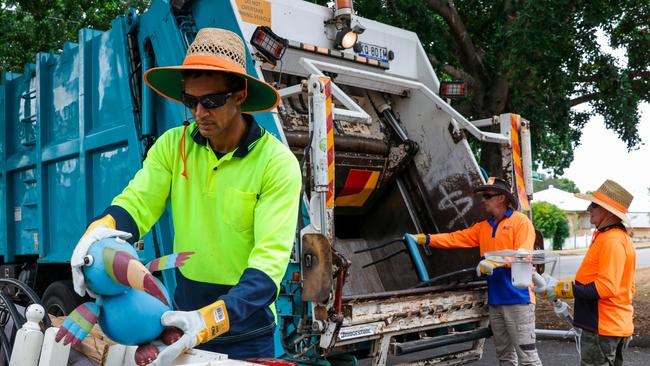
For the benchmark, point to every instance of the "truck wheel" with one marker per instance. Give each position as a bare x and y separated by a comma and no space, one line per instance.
59,298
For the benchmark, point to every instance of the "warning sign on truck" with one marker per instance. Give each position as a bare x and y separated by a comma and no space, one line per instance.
255,11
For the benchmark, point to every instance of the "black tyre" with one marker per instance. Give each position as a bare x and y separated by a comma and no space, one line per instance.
60,299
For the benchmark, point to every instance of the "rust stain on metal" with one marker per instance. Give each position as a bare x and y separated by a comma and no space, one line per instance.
414,311
320,312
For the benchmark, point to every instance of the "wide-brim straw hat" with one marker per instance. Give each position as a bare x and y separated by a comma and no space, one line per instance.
612,197
501,186
220,50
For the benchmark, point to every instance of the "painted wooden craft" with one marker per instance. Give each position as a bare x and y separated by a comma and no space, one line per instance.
130,300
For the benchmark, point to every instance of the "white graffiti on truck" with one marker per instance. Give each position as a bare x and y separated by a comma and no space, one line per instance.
457,201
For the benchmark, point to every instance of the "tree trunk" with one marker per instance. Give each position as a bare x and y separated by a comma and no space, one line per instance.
491,157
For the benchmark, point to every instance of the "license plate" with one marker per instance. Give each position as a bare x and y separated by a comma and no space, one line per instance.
373,51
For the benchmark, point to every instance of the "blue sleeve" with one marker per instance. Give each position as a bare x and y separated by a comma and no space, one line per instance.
124,221
587,292
254,291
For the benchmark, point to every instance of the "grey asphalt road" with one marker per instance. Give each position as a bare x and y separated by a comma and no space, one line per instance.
551,352
568,264
563,353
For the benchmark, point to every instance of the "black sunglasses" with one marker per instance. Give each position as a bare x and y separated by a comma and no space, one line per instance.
593,205
488,196
208,101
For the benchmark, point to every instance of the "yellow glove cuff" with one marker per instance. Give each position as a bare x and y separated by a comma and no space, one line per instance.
216,320
485,269
107,221
495,264
420,238
563,289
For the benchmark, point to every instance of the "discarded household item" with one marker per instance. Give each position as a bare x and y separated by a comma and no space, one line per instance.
382,154
29,339
521,263
130,300
523,275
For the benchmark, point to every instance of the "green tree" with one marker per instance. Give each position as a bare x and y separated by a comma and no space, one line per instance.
538,59
561,233
551,221
31,26
564,184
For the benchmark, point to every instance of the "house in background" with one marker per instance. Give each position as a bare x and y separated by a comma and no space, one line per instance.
580,229
641,224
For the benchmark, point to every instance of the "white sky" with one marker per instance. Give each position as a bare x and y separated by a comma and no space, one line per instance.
602,155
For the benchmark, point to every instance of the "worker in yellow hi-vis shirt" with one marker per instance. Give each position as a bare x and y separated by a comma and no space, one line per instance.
234,194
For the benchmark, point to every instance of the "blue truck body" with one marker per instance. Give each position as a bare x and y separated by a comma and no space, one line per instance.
76,125
73,133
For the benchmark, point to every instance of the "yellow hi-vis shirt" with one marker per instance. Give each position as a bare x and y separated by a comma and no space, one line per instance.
237,214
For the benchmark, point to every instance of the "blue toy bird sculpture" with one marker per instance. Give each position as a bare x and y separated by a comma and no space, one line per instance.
130,300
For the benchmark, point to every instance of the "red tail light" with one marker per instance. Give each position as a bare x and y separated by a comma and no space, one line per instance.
272,362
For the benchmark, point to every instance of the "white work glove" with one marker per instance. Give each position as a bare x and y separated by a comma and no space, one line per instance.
556,289
81,250
486,267
198,326
539,282
548,290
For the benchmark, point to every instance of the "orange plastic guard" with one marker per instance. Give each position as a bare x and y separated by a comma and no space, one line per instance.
516,157
341,4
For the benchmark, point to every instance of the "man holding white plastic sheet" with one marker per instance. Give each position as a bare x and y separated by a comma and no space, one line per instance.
512,310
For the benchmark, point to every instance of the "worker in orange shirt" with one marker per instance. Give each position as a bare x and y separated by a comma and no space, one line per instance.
604,284
512,310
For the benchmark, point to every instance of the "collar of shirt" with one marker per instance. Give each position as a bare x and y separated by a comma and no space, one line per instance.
613,226
509,212
255,132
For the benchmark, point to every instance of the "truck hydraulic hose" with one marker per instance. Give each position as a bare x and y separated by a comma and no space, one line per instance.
384,109
6,347
338,293
33,297
382,245
462,272
384,258
17,319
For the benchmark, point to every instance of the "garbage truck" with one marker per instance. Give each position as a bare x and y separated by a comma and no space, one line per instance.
382,151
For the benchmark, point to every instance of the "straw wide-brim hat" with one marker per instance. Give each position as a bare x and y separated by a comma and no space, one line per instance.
217,50
613,198
501,186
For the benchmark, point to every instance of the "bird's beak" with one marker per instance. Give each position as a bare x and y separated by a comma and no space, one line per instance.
123,268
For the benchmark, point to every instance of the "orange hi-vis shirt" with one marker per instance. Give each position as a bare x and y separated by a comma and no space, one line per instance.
604,284
514,231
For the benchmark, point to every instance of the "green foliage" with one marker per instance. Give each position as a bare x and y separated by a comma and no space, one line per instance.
538,59
31,26
560,183
561,233
535,58
551,221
